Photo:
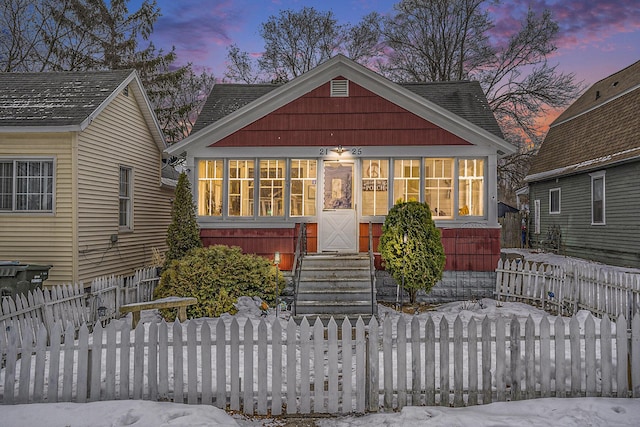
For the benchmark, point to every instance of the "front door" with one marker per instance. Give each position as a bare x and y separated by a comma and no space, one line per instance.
337,228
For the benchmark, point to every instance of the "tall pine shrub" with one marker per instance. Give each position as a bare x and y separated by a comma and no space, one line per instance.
418,261
183,233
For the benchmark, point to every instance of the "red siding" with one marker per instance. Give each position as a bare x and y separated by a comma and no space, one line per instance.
362,118
466,249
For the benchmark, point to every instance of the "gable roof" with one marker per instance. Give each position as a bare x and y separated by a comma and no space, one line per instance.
463,98
66,101
600,128
231,107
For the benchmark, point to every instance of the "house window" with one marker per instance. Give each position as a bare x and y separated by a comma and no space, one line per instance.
597,198
125,214
272,173
26,185
375,187
536,217
210,176
304,175
471,187
241,189
406,180
438,189
554,201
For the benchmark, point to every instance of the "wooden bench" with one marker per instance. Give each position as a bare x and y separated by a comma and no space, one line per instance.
180,303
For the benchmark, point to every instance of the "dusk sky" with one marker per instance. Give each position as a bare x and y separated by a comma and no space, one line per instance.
597,37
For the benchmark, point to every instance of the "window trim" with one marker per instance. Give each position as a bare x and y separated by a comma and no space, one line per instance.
536,216
129,198
551,191
14,160
596,176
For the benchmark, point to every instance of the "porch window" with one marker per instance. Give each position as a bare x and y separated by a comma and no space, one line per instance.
471,187
210,177
406,180
241,189
304,175
125,199
438,191
597,198
272,173
554,201
375,187
26,185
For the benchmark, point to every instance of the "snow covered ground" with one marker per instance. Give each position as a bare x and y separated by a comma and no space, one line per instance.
538,412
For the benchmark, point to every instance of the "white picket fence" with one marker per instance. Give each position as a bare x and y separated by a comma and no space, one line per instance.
565,290
73,304
285,367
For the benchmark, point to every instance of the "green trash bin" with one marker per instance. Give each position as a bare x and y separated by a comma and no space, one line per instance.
17,278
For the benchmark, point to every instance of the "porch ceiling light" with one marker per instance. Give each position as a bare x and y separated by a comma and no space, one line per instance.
339,150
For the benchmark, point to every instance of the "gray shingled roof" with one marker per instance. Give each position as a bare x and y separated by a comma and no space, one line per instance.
463,98
54,99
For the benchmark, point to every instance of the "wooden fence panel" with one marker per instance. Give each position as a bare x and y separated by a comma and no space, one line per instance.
98,366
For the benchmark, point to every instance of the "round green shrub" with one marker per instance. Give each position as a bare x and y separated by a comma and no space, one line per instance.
217,276
420,260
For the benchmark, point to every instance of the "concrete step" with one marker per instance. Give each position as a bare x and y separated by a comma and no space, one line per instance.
333,308
323,297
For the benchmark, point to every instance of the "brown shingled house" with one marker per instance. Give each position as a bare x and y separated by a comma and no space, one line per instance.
585,181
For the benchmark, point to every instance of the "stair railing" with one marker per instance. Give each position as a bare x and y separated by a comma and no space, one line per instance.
372,270
301,250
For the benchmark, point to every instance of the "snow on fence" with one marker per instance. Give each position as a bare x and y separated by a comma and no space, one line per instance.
285,367
73,304
567,289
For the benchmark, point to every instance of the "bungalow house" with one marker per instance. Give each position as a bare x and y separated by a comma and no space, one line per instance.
584,184
80,174
334,149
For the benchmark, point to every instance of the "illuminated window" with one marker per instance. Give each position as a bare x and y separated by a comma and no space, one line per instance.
438,192
272,188
241,177
471,187
375,187
406,180
210,175
304,176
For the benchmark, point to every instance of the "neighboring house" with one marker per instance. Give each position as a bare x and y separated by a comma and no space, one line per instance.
335,148
585,181
80,174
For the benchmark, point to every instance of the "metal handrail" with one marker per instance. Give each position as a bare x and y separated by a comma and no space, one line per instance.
372,269
301,250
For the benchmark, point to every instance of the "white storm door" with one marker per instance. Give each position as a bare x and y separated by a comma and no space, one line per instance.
337,226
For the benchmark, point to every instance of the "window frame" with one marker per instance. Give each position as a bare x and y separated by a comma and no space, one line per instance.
557,190
375,178
128,198
598,176
13,184
471,179
309,194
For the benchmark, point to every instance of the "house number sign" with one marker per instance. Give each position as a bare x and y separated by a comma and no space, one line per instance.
354,151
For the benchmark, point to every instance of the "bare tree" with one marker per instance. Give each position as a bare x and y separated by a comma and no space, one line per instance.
297,41
441,40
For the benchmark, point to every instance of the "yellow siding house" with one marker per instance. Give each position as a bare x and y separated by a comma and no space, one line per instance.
81,169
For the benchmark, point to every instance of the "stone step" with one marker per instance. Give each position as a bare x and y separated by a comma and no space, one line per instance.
333,308
323,297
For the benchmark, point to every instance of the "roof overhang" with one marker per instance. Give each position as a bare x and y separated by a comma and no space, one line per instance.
143,102
344,67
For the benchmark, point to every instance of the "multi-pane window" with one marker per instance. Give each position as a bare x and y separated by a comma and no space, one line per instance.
304,175
597,198
124,217
554,201
241,177
406,180
272,173
471,187
438,190
26,185
375,187
210,177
